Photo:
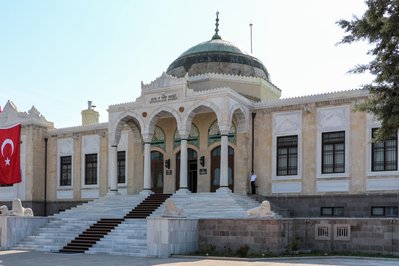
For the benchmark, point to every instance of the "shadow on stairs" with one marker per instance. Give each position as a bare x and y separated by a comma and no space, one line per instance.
95,232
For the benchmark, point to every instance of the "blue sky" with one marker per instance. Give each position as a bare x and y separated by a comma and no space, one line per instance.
57,55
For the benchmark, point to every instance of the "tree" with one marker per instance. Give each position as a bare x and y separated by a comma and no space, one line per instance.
379,25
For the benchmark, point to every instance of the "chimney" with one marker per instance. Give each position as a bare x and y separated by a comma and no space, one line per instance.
90,116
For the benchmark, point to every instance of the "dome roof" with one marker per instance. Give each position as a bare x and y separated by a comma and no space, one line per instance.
217,56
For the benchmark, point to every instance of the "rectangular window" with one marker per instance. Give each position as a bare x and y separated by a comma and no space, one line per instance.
121,167
333,152
384,154
287,155
91,169
65,171
384,211
332,211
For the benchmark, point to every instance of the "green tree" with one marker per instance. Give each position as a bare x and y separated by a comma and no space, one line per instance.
379,25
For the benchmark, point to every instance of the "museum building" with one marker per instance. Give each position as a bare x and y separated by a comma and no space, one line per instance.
202,126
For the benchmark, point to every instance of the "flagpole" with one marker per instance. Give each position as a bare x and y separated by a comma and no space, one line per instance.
250,29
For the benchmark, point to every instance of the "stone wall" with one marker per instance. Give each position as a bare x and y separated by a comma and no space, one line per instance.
228,235
309,206
166,236
364,235
15,228
278,236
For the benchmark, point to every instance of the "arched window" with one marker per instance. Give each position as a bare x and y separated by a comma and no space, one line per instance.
214,133
193,138
158,139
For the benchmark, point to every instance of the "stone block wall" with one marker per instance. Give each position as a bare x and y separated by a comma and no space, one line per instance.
15,228
309,206
228,235
365,235
166,236
278,236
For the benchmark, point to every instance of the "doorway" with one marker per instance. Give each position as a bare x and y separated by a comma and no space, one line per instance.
192,170
156,172
215,168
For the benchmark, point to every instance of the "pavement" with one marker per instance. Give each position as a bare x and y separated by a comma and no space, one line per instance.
36,258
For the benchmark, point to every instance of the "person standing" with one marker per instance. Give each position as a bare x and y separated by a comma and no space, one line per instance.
253,179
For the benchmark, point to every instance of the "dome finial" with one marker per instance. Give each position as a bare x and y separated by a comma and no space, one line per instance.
216,36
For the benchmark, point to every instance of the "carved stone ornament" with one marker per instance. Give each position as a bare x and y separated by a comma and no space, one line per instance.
171,210
17,209
286,123
262,211
181,109
144,114
10,116
333,118
65,146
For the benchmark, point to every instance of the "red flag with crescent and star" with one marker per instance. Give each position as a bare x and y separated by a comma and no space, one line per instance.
10,169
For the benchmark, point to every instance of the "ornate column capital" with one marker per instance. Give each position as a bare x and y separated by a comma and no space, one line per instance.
147,137
224,128
184,133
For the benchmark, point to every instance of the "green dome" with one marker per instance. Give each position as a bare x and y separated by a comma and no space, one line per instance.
214,45
217,56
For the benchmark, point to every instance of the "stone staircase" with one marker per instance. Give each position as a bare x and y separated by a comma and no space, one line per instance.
147,207
91,236
130,236
54,234
212,205
101,228
65,226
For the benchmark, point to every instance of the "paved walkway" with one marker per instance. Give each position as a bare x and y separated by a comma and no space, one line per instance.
35,258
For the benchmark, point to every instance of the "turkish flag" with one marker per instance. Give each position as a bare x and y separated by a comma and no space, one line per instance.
10,169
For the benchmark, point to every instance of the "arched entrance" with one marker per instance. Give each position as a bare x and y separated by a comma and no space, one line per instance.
157,172
192,170
215,168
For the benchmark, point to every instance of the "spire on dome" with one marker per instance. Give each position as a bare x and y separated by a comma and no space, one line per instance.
216,36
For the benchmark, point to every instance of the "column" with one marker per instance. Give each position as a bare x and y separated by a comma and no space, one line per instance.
183,165
224,167
147,167
113,171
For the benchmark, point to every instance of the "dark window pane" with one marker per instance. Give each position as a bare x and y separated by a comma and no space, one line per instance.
90,169
326,211
121,165
65,170
384,154
332,211
333,152
391,211
287,155
338,211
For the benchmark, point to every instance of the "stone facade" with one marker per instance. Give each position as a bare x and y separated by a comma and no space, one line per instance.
296,195
279,236
206,132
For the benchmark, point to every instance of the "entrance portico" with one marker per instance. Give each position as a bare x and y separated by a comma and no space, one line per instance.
170,101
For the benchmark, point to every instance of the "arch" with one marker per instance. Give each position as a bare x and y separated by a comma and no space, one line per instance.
132,120
158,113
215,168
197,107
192,169
158,138
214,133
157,171
242,117
193,137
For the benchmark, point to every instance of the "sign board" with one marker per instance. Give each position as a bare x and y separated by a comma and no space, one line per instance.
202,171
